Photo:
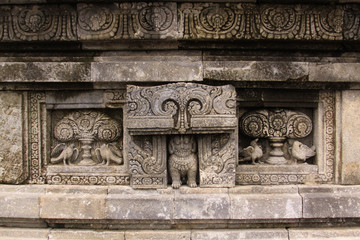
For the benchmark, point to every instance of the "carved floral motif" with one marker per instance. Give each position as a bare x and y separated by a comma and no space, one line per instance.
86,127
276,125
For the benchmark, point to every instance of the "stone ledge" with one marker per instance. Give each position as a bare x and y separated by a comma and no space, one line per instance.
273,203
271,233
177,67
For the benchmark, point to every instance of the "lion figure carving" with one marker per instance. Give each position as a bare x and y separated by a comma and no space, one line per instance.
183,160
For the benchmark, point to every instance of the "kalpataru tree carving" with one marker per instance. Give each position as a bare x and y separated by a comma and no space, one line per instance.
277,126
181,109
86,127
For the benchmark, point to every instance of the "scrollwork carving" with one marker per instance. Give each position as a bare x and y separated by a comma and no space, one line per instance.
181,102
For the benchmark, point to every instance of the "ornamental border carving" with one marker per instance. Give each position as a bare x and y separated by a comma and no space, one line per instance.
325,165
179,21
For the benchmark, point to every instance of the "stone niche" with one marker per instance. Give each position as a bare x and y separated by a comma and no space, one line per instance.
182,130
285,137
76,137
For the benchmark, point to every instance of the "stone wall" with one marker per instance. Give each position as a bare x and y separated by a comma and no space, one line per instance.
185,120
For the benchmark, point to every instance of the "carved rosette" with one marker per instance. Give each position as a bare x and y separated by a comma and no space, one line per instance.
279,22
153,19
86,127
276,125
97,22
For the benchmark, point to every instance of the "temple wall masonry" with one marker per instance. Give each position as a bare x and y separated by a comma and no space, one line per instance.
179,119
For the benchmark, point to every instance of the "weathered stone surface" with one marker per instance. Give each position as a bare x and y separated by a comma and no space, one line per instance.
58,234
202,203
157,235
12,168
278,234
325,233
23,233
330,202
73,202
126,203
44,72
255,202
350,164
255,70
144,67
20,201
334,72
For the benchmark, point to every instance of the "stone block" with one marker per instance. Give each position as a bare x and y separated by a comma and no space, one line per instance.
157,235
255,70
125,203
330,201
350,164
44,72
73,202
11,141
20,201
278,234
334,72
148,67
85,235
325,233
200,203
23,234
276,202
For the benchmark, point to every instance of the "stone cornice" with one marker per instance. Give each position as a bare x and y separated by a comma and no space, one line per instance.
178,21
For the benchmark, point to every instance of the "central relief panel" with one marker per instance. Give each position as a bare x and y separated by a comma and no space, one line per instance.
183,133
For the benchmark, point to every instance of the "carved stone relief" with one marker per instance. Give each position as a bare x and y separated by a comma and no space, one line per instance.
183,160
61,141
94,132
277,126
160,20
179,111
305,159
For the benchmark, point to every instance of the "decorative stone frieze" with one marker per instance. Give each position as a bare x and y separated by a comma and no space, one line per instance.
198,119
178,21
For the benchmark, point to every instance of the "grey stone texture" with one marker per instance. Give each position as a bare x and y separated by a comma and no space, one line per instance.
12,168
66,203
173,66
350,164
265,202
330,201
346,233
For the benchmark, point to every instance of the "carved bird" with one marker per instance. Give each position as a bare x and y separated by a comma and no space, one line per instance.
252,152
108,153
300,151
62,153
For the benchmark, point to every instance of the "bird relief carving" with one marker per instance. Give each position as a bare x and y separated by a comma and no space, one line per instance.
87,138
278,133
